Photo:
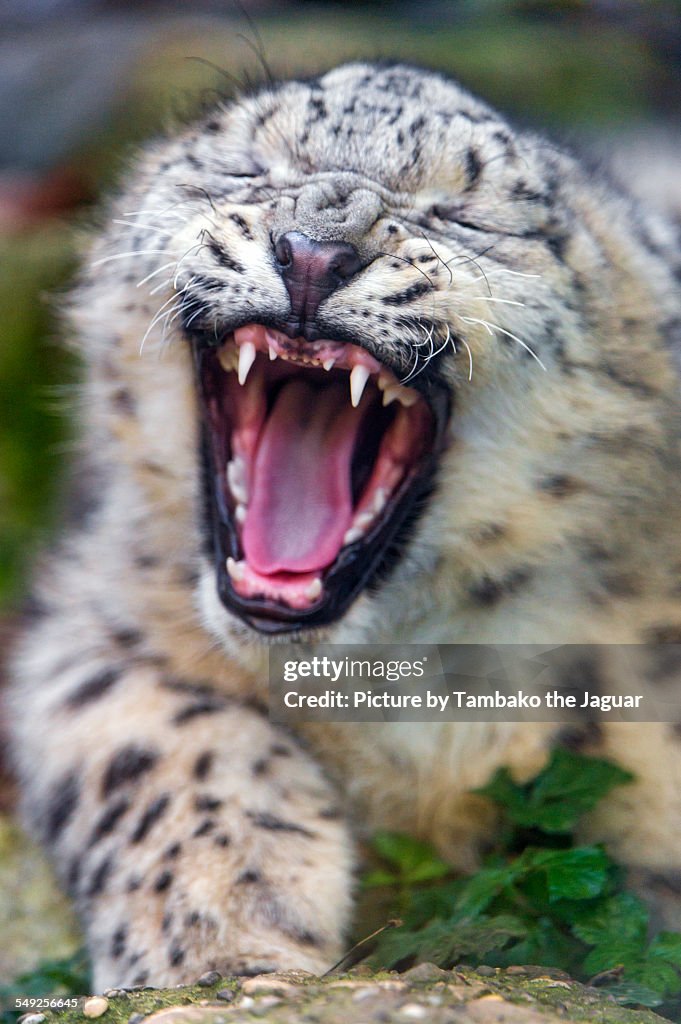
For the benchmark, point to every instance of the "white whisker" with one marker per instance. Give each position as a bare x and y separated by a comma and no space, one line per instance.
502,330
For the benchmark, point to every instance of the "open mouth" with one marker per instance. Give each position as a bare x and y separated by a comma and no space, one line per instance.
316,459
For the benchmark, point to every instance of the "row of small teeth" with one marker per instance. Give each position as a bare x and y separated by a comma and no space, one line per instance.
359,375
237,571
237,478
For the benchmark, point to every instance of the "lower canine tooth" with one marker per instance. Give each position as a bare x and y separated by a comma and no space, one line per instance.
314,590
246,360
358,378
227,357
235,570
240,514
352,535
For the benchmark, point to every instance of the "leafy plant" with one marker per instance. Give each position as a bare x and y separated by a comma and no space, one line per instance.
551,902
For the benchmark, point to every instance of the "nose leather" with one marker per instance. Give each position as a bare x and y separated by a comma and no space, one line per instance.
311,271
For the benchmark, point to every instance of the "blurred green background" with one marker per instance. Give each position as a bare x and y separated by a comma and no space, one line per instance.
81,81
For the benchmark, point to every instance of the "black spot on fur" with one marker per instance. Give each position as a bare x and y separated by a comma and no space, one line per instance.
207,803
274,824
176,955
163,882
249,877
561,486
580,674
94,688
153,813
222,840
127,638
146,561
473,167
192,919
109,819
260,767
123,402
664,663
100,877
61,806
73,875
141,979
279,750
118,942
579,737
128,765
223,258
488,591
208,706
167,923
205,828
243,227
410,293
331,813
203,765
173,851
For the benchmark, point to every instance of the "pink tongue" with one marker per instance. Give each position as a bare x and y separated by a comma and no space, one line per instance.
300,504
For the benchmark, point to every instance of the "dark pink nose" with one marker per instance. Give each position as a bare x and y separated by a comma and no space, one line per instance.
311,272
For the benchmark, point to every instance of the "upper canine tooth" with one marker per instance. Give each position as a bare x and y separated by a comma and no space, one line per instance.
246,359
358,378
272,352
328,363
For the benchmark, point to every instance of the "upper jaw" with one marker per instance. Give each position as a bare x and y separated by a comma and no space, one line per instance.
306,601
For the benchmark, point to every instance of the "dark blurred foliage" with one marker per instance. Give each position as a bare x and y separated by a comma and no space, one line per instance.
81,81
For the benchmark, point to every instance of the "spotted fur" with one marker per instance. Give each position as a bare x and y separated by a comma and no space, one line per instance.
192,833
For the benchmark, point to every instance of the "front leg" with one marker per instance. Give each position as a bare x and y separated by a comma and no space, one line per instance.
192,833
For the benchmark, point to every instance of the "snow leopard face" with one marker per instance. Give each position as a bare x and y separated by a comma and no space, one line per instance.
388,329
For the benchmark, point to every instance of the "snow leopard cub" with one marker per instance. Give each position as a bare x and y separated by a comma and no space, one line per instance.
362,363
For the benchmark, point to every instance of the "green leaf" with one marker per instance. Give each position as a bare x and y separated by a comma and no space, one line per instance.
482,889
577,874
568,787
415,861
667,946
625,953
622,916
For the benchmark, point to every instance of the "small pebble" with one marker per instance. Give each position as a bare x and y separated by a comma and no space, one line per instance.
209,978
32,1018
226,994
412,1011
95,1006
267,984
135,1018
425,973
485,971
